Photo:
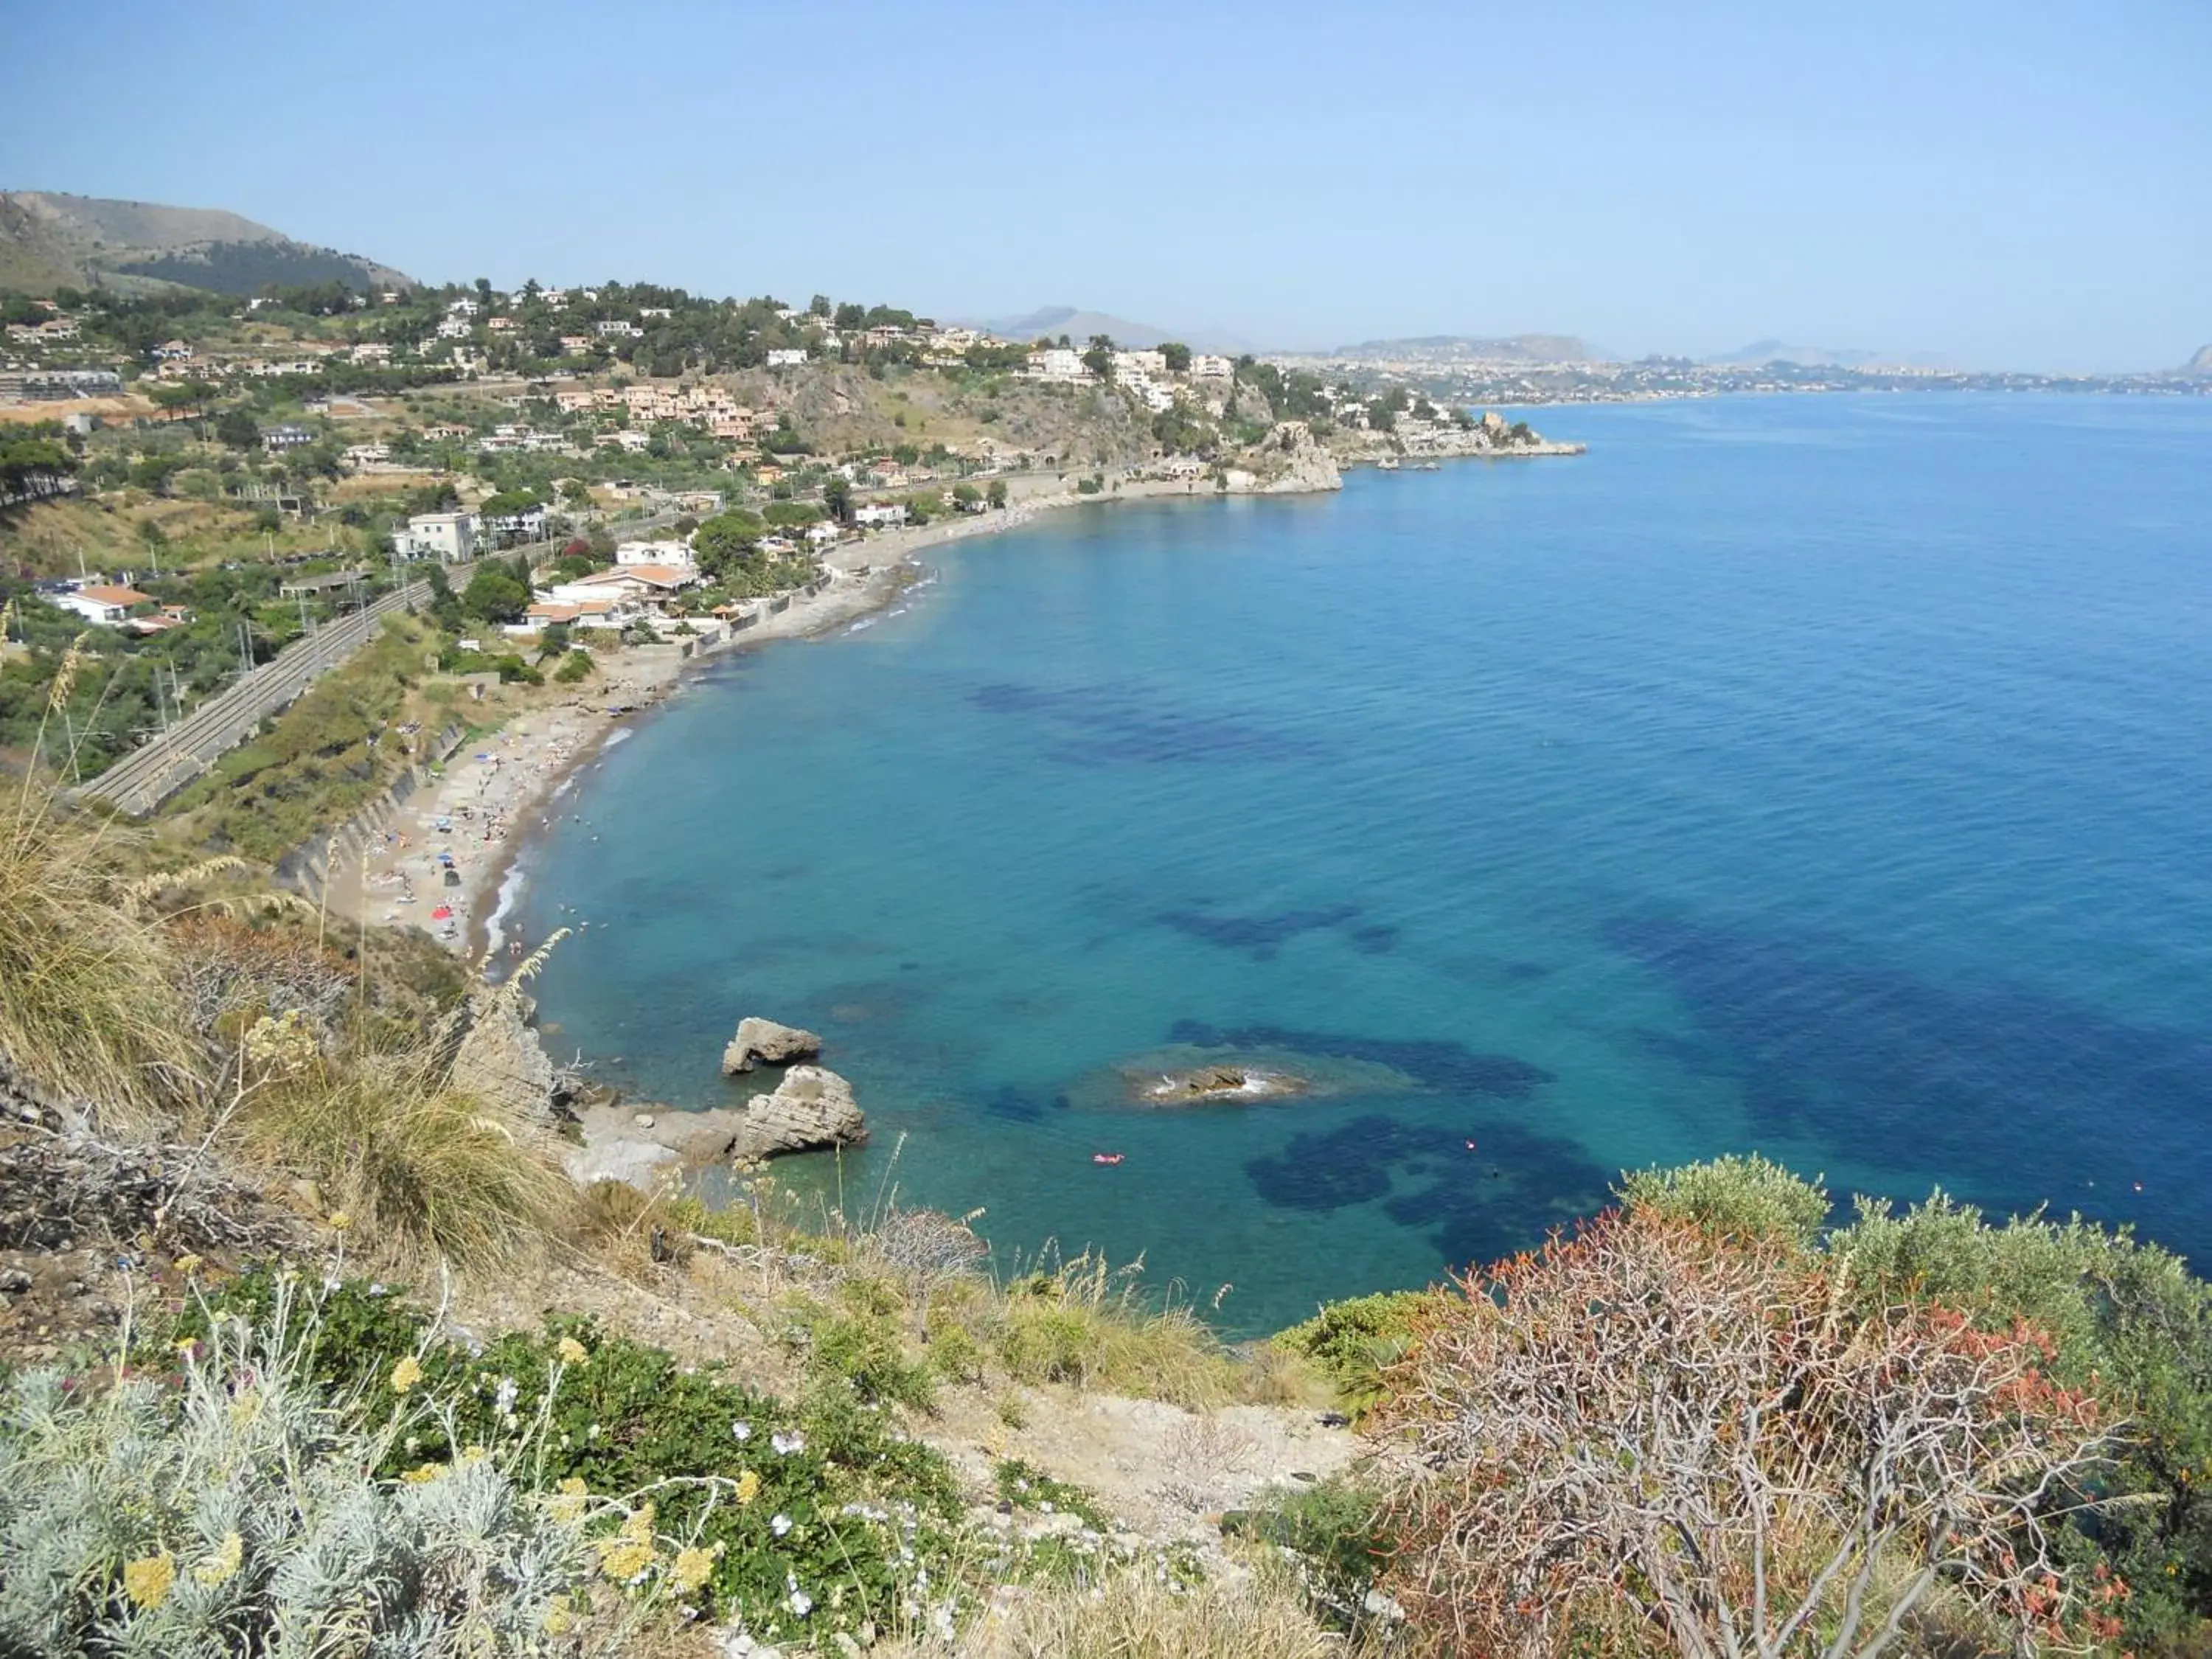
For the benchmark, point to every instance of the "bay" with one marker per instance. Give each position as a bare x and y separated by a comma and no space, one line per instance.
1820,775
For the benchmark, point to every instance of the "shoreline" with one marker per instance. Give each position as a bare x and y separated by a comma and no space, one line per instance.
495,784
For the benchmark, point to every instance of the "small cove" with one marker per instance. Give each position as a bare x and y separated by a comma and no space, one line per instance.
1821,775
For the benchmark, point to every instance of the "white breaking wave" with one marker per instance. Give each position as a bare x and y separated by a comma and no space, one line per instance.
510,890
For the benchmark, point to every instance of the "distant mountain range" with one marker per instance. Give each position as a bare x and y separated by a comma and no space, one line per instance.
2201,363
50,240
1782,351
1508,349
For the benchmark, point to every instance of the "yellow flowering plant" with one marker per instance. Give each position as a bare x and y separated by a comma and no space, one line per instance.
221,1566
148,1580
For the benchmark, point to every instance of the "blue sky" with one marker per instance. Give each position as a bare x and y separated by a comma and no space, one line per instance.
2018,184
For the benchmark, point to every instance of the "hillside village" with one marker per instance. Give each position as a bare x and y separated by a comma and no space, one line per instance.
207,478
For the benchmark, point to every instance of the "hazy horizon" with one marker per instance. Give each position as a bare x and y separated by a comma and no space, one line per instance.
1998,186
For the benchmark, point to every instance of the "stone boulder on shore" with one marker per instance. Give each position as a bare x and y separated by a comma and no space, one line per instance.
760,1041
810,1108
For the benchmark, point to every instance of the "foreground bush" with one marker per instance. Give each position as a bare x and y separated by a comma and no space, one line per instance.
1751,1197
234,1506
2131,1324
1697,1434
799,1519
1357,1341
420,1169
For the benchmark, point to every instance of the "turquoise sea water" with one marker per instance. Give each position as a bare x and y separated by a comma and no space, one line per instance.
1828,776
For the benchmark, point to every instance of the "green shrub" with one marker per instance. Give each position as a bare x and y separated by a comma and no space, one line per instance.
817,1516
810,1508
953,1354
860,1347
576,667
1333,1532
1355,1341
1022,1486
1751,1197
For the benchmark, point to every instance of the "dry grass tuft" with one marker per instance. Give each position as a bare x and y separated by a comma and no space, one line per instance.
87,1006
1083,1323
1133,1615
422,1170
1200,1454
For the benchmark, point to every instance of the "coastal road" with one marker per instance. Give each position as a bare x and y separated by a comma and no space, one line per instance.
149,775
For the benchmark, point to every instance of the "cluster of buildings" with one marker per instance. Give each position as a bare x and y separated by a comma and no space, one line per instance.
1145,372
56,329
642,584
179,359
708,408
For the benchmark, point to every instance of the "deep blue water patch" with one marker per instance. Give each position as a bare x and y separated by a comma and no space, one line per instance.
1260,935
1477,1191
2018,1093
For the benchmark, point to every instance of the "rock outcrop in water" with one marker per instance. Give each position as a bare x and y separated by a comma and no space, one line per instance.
760,1041
1225,1084
811,1108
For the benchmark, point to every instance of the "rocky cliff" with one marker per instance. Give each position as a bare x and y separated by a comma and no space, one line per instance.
1289,461
497,1058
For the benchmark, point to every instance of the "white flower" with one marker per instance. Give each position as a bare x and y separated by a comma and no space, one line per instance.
800,1602
509,1390
780,1525
788,1444
741,1430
